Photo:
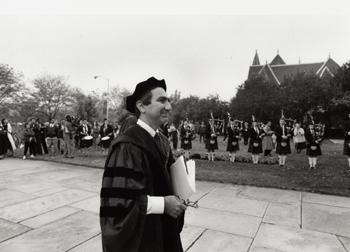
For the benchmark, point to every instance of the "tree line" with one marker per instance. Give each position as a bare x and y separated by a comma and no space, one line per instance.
49,96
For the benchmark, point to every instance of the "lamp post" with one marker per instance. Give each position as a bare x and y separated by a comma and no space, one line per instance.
95,77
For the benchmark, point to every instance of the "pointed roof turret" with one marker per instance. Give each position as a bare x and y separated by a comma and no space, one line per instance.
277,60
256,61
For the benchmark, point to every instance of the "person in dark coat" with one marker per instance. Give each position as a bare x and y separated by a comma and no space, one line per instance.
346,149
139,211
283,135
233,135
313,148
211,141
186,135
83,131
107,135
43,135
255,143
173,136
29,140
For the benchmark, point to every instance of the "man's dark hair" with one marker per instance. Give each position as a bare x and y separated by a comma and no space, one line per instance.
146,100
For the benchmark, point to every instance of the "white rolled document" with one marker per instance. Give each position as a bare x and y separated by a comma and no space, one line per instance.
183,178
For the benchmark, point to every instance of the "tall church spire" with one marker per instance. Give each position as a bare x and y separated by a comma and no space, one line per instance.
256,61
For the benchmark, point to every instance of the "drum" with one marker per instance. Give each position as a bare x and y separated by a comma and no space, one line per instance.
106,141
88,140
313,147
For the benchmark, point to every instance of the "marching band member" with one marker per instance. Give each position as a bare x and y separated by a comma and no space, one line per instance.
186,134
233,134
313,145
267,140
84,131
346,150
283,134
211,142
106,133
173,136
255,143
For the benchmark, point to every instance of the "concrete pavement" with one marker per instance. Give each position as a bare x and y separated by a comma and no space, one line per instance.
51,207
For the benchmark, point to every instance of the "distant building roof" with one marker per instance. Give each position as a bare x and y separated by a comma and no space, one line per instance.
277,70
256,60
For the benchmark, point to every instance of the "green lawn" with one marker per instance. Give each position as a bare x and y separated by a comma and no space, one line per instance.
329,177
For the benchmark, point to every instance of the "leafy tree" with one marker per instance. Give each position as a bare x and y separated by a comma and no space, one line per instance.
52,94
303,93
117,100
258,97
340,95
11,85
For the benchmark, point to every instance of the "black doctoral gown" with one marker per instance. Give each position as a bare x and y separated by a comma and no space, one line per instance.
136,167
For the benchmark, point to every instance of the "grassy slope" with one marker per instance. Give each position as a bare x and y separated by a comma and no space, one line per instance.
328,178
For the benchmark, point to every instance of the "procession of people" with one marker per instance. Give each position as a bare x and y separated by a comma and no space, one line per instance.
56,137
65,136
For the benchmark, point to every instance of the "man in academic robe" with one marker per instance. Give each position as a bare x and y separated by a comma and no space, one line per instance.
139,211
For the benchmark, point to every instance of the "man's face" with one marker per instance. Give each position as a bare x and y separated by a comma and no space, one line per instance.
282,122
157,113
84,122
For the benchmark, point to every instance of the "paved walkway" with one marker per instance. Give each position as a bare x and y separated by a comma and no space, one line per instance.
51,207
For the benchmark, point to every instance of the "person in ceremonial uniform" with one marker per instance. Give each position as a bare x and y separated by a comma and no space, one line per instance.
211,141
83,131
283,135
299,138
107,135
255,143
313,148
186,135
267,140
346,150
233,134
95,135
139,211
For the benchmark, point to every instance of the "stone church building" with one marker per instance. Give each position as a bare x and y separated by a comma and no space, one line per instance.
277,69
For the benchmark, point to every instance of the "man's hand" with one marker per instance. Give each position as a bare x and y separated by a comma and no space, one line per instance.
173,206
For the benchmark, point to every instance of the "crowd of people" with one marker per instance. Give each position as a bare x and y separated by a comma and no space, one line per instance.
57,137
69,134
260,138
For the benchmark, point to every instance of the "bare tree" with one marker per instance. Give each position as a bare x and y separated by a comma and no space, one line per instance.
11,84
52,94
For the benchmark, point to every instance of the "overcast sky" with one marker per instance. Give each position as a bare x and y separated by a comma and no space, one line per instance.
198,47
